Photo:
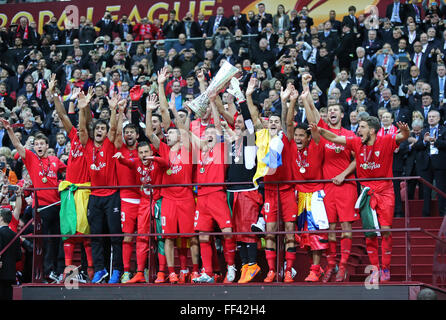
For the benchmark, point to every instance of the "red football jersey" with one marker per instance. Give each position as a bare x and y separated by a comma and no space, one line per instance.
44,169
150,174
374,161
197,128
282,173
77,169
178,172
126,176
310,161
336,157
211,168
102,166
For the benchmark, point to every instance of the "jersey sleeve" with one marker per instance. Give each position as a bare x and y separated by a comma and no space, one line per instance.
72,135
163,151
322,124
29,159
352,142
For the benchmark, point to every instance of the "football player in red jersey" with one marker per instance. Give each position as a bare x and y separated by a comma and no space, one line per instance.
148,170
104,206
212,204
340,196
43,171
178,205
77,170
374,159
126,143
282,173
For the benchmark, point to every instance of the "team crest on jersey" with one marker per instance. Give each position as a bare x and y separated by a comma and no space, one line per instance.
377,153
102,153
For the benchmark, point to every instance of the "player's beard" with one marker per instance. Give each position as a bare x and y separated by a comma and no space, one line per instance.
367,139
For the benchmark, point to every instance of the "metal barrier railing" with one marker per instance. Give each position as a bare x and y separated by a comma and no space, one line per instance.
38,236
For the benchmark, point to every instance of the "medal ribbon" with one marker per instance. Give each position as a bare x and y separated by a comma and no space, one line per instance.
301,164
45,171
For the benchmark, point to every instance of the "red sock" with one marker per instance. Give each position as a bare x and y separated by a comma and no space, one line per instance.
162,262
206,257
229,250
171,270
68,249
195,268
215,262
126,255
346,246
289,257
271,258
386,251
142,250
88,252
182,253
331,253
372,250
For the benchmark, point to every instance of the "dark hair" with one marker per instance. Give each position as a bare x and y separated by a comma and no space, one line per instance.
352,8
373,123
143,144
337,105
6,215
426,94
304,127
131,126
160,118
41,136
100,121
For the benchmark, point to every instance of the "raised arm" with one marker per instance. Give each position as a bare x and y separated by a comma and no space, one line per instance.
151,104
315,134
284,96
121,108
330,136
61,112
228,116
15,141
404,132
310,109
82,104
113,104
290,114
252,108
164,106
201,80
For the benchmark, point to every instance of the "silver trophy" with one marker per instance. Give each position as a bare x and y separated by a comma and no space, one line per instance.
223,76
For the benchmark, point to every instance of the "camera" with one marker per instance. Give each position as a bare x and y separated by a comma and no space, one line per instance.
2,165
12,187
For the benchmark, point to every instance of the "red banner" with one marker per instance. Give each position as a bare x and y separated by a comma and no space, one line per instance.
42,12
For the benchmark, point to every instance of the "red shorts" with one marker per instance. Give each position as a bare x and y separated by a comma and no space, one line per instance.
288,205
340,202
177,216
245,212
384,204
129,214
144,217
212,207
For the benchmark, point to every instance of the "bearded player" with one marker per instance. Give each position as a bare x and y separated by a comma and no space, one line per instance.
281,173
178,205
126,143
374,159
148,170
340,196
